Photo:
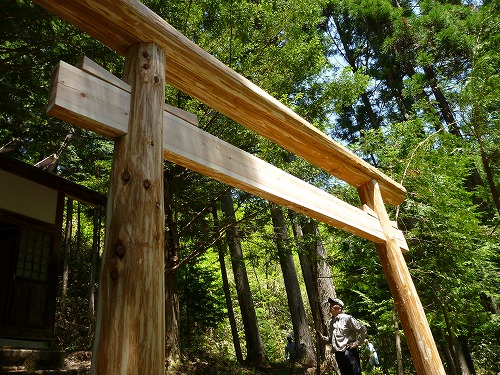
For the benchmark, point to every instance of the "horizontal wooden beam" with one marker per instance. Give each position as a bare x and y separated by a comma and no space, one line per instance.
121,23
71,100
87,101
91,67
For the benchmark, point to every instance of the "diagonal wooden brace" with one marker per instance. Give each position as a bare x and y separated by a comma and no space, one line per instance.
417,332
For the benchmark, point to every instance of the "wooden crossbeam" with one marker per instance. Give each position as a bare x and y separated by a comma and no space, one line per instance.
98,105
91,67
122,23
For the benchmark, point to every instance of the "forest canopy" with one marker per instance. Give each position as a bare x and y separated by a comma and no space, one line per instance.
412,87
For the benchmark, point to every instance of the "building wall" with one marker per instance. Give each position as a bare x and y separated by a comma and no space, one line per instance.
27,198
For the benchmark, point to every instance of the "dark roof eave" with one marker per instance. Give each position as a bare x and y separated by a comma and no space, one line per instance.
50,180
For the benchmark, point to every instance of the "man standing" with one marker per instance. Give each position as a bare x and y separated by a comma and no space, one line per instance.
345,334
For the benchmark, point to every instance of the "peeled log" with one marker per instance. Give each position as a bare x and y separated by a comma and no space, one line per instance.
130,326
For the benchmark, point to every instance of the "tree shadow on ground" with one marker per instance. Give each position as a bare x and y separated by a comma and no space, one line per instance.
213,365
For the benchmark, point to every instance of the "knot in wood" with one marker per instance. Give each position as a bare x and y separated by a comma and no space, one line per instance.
147,184
145,54
114,274
120,250
157,79
146,66
126,176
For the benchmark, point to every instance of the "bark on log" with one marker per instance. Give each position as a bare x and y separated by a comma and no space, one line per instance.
255,347
303,342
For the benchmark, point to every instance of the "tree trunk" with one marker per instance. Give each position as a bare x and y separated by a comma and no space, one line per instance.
227,293
305,351
255,347
449,338
345,38
312,256
446,112
374,122
474,179
309,273
324,280
308,267
130,327
460,359
67,248
489,177
446,350
466,354
172,309
397,339
78,233
93,265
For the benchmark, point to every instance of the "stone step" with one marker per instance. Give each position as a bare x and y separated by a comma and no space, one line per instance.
32,359
17,371
41,362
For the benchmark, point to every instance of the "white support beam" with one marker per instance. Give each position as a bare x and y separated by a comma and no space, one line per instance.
92,103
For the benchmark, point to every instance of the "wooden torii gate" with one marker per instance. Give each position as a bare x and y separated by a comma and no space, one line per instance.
130,323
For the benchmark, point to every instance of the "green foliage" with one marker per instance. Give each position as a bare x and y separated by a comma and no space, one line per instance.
31,44
201,299
444,230
345,88
360,70
74,323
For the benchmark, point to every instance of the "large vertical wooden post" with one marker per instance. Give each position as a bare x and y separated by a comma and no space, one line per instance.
130,329
417,331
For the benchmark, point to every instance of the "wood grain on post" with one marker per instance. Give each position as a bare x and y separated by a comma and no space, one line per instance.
130,328
122,23
416,328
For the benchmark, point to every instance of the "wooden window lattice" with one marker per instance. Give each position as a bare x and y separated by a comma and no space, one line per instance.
34,253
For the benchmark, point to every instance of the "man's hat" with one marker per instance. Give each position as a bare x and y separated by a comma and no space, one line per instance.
335,301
